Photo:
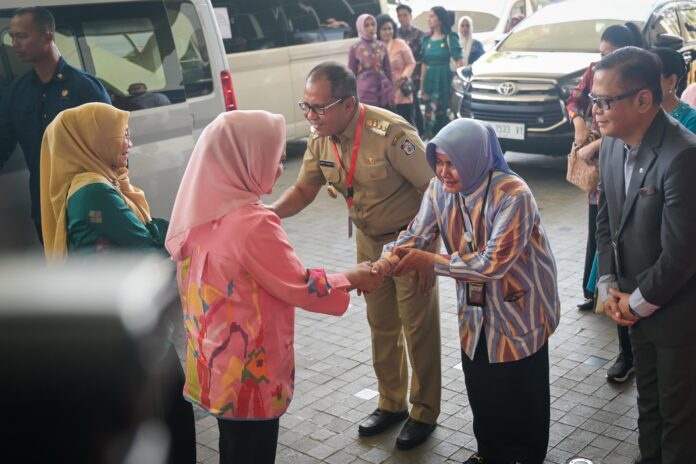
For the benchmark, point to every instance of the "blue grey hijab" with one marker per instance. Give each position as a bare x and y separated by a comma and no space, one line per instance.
473,149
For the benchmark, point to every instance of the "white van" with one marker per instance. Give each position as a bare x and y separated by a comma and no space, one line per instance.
174,47
273,44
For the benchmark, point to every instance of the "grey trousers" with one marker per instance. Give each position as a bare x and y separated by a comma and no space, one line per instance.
666,381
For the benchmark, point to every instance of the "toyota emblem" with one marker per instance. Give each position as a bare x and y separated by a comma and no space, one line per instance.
507,89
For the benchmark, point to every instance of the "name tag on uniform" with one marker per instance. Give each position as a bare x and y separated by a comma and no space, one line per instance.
327,163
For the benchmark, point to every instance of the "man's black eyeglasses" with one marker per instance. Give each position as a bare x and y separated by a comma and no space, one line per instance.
306,107
604,103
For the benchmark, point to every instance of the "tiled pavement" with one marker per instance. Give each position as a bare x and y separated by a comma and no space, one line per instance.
335,382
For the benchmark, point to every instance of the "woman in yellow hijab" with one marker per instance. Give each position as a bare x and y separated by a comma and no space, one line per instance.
87,201
88,205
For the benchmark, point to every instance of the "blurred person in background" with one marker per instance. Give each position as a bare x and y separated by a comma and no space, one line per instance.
414,38
30,102
514,21
89,206
440,47
472,49
369,61
240,281
402,66
507,296
673,79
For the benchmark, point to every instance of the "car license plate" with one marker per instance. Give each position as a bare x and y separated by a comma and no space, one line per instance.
508,130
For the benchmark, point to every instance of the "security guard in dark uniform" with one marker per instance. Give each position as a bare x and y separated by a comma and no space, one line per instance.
375,160
30,102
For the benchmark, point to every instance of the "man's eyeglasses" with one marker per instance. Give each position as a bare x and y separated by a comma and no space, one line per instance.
306,107
604,103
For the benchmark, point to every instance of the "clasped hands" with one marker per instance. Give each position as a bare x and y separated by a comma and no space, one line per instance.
402,261
367,277
618,309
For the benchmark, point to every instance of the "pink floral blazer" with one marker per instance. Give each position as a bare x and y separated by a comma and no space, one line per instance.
239,284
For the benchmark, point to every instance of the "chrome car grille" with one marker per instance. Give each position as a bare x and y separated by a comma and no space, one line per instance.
535,103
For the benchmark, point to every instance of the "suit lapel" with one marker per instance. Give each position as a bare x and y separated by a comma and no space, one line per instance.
645,159
617,162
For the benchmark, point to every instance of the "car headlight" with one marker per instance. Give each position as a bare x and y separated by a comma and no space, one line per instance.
462,81
568,85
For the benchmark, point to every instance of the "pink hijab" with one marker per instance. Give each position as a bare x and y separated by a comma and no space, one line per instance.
234,162
360,26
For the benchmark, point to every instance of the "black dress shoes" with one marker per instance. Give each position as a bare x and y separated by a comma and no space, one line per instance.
413,433
586,305
379,421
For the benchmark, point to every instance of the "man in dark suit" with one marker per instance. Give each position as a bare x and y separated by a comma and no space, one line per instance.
647,254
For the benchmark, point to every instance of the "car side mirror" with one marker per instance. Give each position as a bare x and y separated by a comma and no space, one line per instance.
669,41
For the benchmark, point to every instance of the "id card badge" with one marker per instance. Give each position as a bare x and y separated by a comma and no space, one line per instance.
476,294
350,225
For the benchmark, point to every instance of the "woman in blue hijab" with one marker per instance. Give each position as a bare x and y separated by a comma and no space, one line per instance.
507,299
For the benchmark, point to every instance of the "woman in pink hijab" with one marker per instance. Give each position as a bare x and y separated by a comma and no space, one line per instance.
369,60
240,281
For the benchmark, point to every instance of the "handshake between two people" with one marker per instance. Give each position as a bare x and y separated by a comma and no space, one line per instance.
367,277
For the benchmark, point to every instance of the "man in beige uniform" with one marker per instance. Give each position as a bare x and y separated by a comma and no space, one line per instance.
391,174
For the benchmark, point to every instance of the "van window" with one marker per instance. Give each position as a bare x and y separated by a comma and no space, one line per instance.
667,23
126,51
190,48
268,24
129,49
689,21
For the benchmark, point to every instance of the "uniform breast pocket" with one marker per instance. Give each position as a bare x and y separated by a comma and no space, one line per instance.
379,179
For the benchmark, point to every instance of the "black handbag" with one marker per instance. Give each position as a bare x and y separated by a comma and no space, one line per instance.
407,88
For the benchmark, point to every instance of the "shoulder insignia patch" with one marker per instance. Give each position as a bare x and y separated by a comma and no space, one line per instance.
397,137
377,126
408,147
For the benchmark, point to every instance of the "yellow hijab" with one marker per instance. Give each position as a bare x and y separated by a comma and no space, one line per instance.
81,147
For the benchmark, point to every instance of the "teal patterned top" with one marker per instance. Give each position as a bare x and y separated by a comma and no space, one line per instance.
686,115
99,219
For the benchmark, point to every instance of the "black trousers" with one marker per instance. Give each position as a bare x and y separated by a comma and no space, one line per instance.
511,404
172,409
248,441
666,381
405,111
625,349
590,249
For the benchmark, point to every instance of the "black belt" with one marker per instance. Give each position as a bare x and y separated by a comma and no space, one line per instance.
398,231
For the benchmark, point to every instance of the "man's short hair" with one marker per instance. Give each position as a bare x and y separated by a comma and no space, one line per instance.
637,68
41,17
404,7
342,79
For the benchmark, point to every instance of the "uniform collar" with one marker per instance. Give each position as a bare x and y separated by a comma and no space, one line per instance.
349,132
58,73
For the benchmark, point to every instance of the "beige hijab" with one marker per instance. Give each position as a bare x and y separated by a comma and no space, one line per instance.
81,147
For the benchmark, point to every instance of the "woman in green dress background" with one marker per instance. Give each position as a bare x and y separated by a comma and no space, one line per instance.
440,47
89,206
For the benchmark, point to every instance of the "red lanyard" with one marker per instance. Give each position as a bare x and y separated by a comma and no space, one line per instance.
353,158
